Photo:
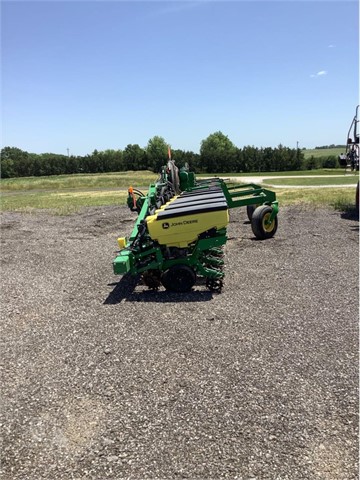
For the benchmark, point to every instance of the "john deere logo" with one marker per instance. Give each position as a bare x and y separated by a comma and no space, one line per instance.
165,225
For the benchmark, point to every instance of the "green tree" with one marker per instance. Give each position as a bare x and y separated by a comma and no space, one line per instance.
157,153
182,157
49,164
266,160
135,158
7,164
239,160
251,159
329,161
310,163
286,158
90,162
217,154
73,164
20,161
110,160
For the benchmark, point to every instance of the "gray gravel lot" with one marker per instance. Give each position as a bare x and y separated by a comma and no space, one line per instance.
105,380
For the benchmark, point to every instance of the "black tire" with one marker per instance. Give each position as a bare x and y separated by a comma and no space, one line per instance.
250,209
179,278
259,227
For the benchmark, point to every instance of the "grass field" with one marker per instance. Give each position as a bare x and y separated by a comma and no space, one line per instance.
319,181
67,194
323,152
339,199
78,181
61,203
297,173
124,179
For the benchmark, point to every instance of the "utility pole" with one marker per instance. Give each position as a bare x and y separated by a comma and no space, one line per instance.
68,150
297,153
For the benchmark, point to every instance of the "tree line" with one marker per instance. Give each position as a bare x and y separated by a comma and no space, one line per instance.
217,154
323,147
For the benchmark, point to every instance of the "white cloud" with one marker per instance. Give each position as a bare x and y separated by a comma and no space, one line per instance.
331,46
319,74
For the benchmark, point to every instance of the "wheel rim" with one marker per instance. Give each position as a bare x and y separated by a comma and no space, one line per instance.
268,225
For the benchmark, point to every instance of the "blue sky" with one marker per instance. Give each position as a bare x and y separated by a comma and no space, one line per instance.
85,75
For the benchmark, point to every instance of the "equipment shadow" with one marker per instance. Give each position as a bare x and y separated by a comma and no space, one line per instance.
353,215
125,290
350,214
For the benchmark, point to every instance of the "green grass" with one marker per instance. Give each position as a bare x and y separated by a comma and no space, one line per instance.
43,194
122,179
323,152
78,181
320,171
322,197
61,203
343,180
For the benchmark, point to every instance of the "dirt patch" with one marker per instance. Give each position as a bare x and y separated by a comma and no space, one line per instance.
102,378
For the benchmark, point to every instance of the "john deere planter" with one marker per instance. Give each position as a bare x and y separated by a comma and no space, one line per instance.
181,227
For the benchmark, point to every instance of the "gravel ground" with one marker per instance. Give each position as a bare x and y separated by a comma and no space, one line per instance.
109,380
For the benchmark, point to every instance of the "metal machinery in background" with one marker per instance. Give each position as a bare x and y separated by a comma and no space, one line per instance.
180,230
350,160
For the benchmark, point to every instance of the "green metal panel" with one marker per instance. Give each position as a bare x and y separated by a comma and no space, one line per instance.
248,194
122,263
